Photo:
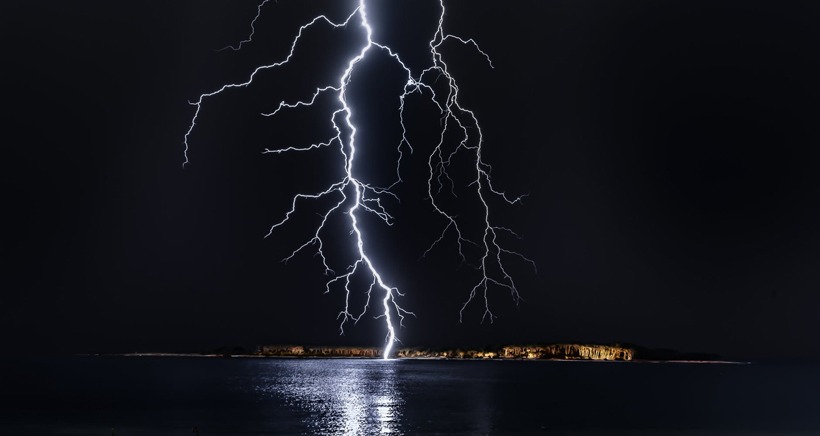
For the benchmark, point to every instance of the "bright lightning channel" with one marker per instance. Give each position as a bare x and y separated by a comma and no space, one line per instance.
367,198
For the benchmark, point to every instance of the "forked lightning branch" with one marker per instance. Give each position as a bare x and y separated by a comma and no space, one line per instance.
351,196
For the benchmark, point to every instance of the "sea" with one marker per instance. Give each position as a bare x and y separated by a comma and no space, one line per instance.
183,396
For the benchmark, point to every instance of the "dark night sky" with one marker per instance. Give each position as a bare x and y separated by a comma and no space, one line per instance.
669,150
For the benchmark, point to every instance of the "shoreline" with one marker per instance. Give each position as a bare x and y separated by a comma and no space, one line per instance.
473,359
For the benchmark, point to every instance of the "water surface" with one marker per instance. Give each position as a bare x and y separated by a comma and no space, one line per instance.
247,396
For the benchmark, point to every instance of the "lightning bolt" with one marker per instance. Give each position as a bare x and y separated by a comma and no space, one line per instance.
355,196
253,30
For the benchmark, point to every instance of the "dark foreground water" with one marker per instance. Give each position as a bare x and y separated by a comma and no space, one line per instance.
244,396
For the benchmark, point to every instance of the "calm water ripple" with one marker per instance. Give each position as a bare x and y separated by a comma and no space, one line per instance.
343,397
180,396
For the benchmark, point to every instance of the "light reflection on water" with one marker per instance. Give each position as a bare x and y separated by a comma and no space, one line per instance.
362,398
233,397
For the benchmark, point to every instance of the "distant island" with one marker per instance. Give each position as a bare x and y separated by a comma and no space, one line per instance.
553,351
563,351
559,351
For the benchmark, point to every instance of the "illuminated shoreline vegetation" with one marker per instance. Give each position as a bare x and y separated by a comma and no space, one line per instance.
551,351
